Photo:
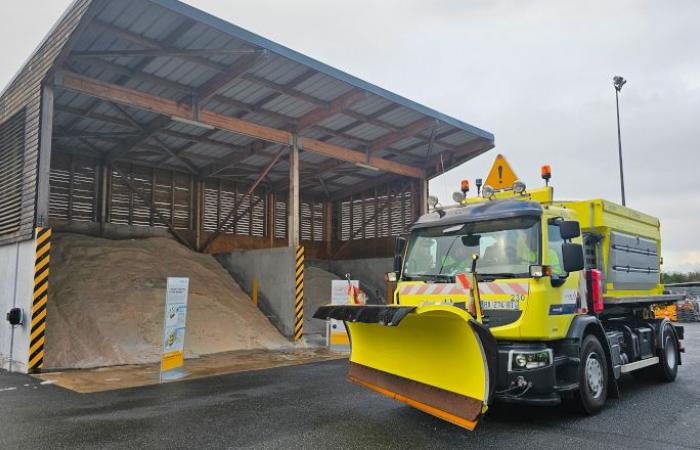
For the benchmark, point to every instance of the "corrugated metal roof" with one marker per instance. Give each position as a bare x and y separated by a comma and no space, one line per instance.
188,48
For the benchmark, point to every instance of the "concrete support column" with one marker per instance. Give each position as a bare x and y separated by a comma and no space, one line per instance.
294,202
45,137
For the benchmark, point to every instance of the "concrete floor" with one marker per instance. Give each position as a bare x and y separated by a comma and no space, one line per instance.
311,406
89,381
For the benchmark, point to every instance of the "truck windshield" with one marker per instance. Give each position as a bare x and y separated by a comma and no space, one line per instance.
506,249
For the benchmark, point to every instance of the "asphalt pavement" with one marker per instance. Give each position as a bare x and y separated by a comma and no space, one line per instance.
312,406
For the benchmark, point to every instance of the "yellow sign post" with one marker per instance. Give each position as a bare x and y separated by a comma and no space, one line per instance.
501,175
173,357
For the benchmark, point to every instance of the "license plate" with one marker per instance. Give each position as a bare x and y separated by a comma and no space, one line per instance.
500,305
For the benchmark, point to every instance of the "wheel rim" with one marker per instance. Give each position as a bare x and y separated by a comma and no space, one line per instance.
594,375
670,353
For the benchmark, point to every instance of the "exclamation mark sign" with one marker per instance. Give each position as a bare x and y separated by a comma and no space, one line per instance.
500,174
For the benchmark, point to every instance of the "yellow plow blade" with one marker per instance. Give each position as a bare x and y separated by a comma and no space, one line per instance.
435,358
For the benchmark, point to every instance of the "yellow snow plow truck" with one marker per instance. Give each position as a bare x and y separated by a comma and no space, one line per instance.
512,296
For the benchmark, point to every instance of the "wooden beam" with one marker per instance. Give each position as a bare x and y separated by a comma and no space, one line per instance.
471,149
229,160
86,134
125,71
152,44
145,135
168,107
174,155
285,90
241,66
92,115
336,106
353,156
411,130
166,51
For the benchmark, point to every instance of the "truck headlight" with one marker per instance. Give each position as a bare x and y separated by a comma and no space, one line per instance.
529,359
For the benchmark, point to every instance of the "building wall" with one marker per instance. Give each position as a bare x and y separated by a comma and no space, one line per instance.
274,269
16,282
369,271
24,92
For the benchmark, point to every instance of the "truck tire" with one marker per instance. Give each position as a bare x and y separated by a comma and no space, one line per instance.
593,377
667,369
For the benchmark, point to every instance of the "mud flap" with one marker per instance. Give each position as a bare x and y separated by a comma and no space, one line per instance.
435,358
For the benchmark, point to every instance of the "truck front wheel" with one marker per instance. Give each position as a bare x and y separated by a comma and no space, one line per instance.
593,377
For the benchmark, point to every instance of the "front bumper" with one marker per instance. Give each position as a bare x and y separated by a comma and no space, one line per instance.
537,386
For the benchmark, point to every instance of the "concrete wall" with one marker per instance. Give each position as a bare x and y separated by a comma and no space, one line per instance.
274,269
370,272
16,285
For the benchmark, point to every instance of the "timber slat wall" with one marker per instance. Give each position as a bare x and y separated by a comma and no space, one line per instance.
362,224
377,214
24,92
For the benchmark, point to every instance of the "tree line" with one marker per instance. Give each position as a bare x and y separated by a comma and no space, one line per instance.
680,277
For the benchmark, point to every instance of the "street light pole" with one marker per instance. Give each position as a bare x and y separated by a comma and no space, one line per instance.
618,82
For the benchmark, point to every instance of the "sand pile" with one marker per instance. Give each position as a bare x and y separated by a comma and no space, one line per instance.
107,297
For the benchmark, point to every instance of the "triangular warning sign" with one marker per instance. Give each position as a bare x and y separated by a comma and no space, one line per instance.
501,175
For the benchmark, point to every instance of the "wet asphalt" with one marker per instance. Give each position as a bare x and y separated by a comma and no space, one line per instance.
312,406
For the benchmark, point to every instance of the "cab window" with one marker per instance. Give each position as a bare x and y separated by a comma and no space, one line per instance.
554,254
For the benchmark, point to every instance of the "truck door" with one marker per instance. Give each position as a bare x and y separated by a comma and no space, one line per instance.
565,299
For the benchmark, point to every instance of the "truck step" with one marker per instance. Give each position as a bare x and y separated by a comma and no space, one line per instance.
626,368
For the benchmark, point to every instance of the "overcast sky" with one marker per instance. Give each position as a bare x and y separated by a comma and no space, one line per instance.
537,74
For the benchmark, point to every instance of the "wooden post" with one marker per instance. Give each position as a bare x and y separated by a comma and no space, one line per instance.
198,210
293,204
328,228
423,196
45,138
271,218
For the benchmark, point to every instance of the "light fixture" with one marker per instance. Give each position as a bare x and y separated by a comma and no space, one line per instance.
194,123
367,166
487,191
618,82
518,187
458,197
433,201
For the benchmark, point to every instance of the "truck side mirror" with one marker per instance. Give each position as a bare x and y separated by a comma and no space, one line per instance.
399,246
569,229
572,254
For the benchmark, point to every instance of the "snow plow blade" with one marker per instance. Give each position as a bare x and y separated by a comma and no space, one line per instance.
435,358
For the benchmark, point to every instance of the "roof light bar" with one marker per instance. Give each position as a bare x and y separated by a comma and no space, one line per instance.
367,166
192,122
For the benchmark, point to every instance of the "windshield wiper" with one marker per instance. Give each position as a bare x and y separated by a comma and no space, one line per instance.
494,276
429,277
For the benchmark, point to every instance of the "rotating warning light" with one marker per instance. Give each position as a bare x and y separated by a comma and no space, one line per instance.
546,172
465,186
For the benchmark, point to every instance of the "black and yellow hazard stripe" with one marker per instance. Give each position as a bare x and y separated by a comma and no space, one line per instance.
299,294
41,296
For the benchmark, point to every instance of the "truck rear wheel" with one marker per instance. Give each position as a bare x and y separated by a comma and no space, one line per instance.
593,377
667,369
